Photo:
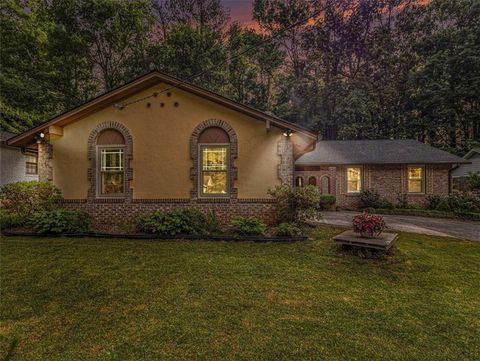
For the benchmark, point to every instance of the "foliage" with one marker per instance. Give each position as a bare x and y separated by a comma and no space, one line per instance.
288,230
327,201
60,221
370,198
248,226
402,200
455,202
177,222
369,224
473,181
9,220
296,204
433,213
25,198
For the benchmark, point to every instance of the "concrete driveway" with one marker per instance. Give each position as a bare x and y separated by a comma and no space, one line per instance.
432,226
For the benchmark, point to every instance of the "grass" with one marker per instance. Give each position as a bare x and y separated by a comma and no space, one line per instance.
89,299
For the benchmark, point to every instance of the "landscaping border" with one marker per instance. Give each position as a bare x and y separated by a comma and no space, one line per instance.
227,238
466,216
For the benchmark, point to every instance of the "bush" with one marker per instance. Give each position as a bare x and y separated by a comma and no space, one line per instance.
402,200
60,221
473,181
296,204
26,198
433,201
464,202
288,230
248,226
370,198
177,221
327,201
10,220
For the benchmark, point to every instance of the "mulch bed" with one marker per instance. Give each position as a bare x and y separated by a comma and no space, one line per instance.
230,238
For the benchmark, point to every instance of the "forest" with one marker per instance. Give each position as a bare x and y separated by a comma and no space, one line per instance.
365,69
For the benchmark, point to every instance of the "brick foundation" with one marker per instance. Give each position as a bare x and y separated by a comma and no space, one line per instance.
117,215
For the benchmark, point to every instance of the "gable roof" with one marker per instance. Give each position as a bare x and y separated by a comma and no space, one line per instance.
471,153
398,151
144,82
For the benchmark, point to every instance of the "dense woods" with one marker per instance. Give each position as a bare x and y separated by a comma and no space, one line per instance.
354,70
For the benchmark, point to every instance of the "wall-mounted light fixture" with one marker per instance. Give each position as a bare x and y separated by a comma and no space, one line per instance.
39,137
118,106
287,132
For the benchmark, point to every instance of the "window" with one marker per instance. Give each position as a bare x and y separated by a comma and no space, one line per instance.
111,163
415,179
312,181
325,181
214,169
299,182
31,164
214,162
354,180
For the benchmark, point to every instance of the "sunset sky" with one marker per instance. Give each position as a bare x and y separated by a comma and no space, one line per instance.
240,10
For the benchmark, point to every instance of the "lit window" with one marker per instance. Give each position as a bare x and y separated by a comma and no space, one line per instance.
214,169
111,171
31,164
415,179
354,180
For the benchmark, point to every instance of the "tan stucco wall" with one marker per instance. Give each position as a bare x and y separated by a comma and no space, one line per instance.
161,135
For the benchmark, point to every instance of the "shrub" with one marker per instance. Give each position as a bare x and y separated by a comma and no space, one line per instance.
327,201
212,226
248,226
10,220
288,230
473,181
60,220
369,198
368,224
177,221
464,201
26,198
402,200
296,204
433,201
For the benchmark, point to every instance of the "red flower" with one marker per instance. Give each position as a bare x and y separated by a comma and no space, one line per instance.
368,223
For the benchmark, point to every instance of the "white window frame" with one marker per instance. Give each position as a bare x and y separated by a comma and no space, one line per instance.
200,170
423,179
361,179
99,170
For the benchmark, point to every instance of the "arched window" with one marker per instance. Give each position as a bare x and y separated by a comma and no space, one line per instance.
312,181
299,182
111,163
325,181
214,162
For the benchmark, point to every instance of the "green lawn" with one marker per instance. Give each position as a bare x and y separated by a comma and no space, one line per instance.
89,299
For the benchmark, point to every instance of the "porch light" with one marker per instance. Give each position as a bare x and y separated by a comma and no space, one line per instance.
287,133
39,137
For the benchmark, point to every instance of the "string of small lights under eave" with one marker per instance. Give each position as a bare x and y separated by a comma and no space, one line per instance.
121,106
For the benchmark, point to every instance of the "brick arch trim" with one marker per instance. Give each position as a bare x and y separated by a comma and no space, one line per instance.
233,153
92,157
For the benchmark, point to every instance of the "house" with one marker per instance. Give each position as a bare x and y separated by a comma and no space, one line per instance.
392,167
17,164
461,171
158,143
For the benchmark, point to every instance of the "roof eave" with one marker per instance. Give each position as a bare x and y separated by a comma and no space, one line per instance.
144,82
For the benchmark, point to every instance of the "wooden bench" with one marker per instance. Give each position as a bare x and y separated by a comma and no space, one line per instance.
382,242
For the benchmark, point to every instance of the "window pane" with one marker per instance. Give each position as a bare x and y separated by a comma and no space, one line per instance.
214,158
112,160
354,182
31,168
30,158
112,182
214,182
415,179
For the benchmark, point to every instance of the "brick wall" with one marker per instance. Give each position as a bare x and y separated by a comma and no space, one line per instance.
389,180
115,216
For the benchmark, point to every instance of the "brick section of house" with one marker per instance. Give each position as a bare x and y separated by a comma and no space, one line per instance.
117,215
321,175
390,180
45,168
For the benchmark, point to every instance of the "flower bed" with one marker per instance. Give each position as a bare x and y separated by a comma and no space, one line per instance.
368,225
